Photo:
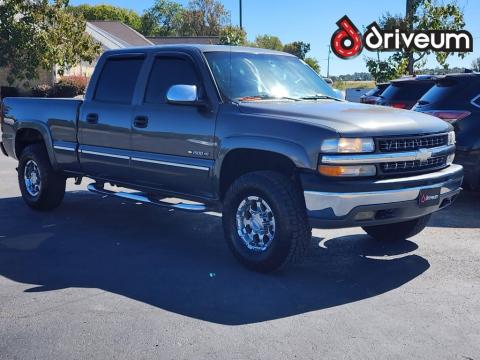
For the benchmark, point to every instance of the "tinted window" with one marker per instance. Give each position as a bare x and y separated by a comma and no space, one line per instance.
117,80
451,90
167,72
408,91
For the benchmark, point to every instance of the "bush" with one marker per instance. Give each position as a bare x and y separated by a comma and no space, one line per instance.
42,90
69,86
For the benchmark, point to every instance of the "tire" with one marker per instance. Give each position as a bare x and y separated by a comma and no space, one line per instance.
397,231
268,195
47,187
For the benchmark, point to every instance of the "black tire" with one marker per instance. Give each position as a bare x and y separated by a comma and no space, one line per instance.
397,231
52,189
292,235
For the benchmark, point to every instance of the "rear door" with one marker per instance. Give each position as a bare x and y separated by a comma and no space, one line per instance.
173,145
104,129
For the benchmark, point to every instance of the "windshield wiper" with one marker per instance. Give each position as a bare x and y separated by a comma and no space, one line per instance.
266,97
319,97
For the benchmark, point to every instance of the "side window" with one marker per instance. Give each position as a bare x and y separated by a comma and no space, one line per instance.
117,80
166,72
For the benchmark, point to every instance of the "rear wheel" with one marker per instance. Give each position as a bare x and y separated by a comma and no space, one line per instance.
397,231
265,221
41,187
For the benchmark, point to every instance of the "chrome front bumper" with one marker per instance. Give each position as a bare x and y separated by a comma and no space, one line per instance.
337,206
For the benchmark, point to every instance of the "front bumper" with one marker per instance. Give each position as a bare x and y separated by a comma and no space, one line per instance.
333,204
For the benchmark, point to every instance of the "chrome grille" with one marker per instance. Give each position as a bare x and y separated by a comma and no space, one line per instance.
416,165
411,143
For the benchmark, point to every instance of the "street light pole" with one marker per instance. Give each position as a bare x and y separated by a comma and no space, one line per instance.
241,23
328,60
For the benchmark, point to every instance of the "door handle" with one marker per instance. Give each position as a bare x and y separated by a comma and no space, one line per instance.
92,118
140,122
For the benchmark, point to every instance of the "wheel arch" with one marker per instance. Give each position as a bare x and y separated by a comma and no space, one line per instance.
28,133
246,155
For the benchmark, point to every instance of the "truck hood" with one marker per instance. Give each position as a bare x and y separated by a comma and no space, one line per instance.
349,119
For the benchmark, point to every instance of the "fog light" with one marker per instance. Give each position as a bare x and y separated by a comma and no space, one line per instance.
347,171
364,215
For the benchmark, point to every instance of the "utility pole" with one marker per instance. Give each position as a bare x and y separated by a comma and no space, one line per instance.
241,22
328,60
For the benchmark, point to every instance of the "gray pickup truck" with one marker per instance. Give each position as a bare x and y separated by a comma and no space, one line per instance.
252,133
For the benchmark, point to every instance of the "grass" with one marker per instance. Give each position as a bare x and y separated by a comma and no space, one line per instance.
342,85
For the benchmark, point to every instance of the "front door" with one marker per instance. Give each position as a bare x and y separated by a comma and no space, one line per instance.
104,129
172,145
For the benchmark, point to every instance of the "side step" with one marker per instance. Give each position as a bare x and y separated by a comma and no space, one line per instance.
143,198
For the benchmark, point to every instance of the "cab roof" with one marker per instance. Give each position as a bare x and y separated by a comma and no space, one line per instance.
200,47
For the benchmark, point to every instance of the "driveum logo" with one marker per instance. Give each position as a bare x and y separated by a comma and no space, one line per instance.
347,42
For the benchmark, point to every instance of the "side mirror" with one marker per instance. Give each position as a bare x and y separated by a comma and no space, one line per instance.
184,95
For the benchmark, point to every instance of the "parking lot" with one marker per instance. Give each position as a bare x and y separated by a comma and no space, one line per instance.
99,278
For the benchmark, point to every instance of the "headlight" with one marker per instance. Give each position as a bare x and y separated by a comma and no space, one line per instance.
451,138
347,171
348,145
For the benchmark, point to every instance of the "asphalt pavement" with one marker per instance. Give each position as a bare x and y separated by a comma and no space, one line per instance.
99,278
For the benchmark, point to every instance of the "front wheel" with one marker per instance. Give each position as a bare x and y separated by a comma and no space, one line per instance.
41,187
265,221
397,231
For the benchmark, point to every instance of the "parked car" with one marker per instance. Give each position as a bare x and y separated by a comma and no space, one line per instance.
252,133
373,95
456,99
404,93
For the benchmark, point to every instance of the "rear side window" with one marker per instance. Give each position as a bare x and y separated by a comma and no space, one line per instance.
117,81
168,71
411,91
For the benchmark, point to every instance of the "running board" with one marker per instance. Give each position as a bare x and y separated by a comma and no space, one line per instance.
142,198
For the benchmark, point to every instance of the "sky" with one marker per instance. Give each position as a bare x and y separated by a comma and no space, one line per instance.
314,21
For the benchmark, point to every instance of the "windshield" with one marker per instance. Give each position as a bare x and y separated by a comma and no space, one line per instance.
253,77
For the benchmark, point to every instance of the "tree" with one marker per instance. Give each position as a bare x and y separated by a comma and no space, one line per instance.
164,18
313,63
383,70
297,48
41,34
233,35
268,42
420,15
204,18
476,64
108,12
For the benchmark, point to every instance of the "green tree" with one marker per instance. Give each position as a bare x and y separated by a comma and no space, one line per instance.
204,18
385,70
297,48
164,18
41,34
233,35
108,12
268,42
313,63
421,15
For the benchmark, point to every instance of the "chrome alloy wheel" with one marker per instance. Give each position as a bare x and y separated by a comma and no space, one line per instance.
255,223
31,176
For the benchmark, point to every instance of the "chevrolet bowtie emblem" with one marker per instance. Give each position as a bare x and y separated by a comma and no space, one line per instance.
423,154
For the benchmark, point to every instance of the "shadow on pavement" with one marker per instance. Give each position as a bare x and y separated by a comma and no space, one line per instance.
179,262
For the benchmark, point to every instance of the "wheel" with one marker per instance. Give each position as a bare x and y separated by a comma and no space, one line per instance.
397,231
265,221
41,187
